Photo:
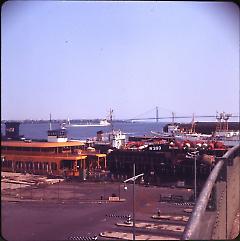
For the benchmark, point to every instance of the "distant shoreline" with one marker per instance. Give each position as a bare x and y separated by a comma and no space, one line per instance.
73,121
86,121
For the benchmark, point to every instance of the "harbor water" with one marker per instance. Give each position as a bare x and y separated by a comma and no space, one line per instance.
39,130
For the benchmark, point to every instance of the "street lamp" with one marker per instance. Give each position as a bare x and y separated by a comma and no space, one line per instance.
125,188
194,154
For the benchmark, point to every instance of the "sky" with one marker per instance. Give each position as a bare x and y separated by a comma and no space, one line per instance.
78,59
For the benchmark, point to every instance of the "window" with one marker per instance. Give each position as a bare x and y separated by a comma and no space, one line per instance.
53,166
35,164
7,163
26,165
66,164
45,164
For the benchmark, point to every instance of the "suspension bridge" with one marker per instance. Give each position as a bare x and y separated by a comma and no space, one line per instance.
153,115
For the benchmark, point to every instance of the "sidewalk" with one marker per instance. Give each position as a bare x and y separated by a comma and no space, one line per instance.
22,199
171,217
146,225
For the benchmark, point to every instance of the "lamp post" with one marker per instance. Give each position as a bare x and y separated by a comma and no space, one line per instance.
194,154
133,179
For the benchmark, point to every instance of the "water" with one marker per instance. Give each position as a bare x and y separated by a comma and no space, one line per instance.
39,131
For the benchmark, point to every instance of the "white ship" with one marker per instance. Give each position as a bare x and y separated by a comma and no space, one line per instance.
102,123
223,134
229,138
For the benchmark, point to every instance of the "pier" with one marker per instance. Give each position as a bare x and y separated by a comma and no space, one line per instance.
211,217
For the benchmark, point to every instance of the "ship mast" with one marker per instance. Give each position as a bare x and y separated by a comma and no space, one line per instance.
218,126
111,124
193,124
225,118
111,118
50,122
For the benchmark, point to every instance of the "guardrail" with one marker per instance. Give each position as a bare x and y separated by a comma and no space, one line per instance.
193,228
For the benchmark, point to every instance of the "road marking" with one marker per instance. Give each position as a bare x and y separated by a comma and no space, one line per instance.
85,238
129,236
185,204
117,216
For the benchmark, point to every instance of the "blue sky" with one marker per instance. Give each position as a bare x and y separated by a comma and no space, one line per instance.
79,59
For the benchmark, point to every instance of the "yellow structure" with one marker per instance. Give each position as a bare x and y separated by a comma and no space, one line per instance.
70,158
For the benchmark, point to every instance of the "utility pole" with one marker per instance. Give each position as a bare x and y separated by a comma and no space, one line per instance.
156,113
134,231
194,155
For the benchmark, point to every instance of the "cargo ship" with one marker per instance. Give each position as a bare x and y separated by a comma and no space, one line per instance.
172,155
222,130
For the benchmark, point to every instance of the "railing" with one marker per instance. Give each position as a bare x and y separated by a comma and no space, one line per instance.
193,228
63,154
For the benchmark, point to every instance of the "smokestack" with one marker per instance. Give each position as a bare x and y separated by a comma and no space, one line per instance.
12,130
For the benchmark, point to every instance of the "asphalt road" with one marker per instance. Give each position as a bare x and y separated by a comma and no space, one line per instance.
47,220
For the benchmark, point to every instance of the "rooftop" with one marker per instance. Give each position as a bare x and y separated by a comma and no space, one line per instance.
40,144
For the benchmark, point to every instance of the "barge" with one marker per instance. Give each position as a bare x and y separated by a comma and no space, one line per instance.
171,155
162,162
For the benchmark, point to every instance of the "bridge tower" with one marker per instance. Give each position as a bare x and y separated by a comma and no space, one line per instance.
156,113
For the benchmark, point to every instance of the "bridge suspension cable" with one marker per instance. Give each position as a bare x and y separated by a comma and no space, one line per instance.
177,117
170,115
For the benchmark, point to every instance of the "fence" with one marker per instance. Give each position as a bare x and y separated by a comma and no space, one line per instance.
63,191
218,201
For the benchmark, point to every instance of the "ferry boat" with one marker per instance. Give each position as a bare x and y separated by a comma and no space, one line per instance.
102,123
55,157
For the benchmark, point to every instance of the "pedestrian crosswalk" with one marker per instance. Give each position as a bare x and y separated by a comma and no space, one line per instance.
85,238
118,216
184,204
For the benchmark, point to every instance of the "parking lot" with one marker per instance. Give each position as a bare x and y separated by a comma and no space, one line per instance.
83,211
